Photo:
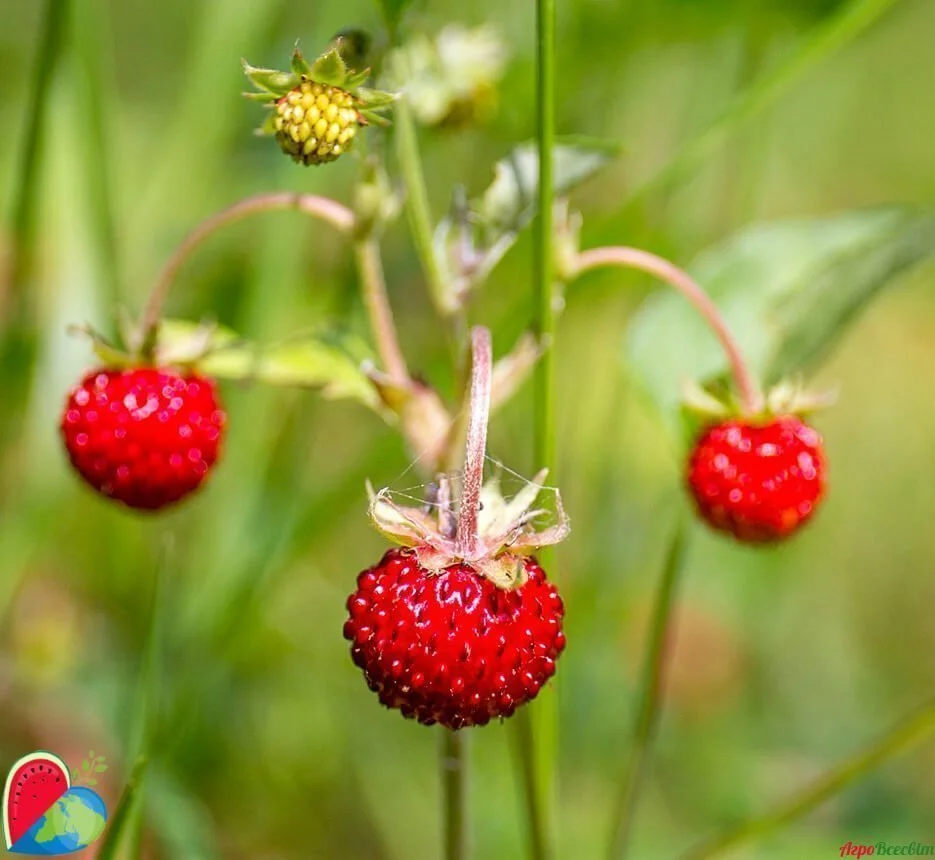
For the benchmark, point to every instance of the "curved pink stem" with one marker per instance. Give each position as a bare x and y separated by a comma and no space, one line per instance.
751,400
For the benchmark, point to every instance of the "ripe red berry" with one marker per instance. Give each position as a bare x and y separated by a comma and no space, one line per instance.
759,481
451,647
145,437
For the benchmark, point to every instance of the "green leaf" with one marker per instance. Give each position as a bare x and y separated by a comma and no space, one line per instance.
327,361
271,80
329,69
85,765
787,290
100,768
512,199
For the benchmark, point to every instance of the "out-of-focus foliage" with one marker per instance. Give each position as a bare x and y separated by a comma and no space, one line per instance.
266,743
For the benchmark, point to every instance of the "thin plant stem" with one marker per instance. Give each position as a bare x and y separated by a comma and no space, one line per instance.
92,41
537,729
323,208
476,443
454,779
52,47
751,400
650,695
918,727
336,214
379,311
418,210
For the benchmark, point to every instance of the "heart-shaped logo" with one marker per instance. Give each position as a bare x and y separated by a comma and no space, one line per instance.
44,814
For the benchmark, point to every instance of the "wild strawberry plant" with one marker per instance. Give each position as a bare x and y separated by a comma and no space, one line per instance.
459,625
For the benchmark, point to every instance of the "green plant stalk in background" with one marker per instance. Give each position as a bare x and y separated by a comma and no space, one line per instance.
840,30
536,728
418,210
658,649
91,57
913,730
19,336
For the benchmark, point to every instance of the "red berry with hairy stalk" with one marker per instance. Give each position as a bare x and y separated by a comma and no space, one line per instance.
460,626
451,647
760,481
146,437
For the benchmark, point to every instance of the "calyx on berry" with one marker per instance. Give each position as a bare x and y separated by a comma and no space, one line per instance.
316,110
705,405
506,531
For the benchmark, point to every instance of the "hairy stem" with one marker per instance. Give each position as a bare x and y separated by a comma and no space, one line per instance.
339,216
751,400
418,210
901,737
476,445
650,696
454,780
378,308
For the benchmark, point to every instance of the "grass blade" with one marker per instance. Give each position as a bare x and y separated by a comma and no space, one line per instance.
824,40
123,814
651,692
901,737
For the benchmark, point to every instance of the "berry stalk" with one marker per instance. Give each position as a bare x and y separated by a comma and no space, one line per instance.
378,308
751,400
323,208
454,779
336,214
476,445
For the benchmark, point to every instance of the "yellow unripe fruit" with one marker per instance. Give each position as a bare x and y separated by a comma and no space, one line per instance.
316,123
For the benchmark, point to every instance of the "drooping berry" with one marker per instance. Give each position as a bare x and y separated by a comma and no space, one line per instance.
451,647
145,437
316,123
757,480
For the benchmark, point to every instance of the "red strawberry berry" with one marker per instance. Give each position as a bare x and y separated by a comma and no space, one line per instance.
452,647
758,481
145,437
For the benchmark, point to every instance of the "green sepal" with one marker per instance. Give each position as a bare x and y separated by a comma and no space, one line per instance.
271,80
371,117
375,98
264,97
268,126
329,69
108,353
299,65
357,79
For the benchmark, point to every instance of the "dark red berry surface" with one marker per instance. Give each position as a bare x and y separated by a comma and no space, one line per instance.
145,437
452,647
758,481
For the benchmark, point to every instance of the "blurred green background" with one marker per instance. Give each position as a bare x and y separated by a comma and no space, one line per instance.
269,744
